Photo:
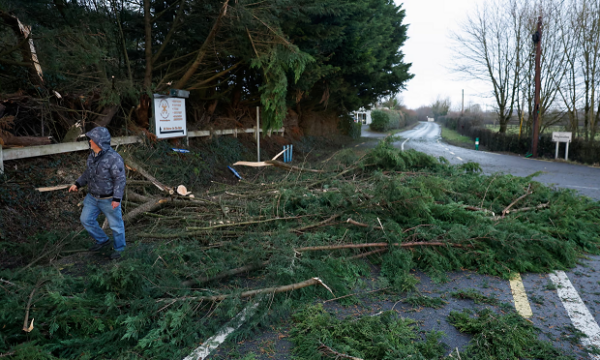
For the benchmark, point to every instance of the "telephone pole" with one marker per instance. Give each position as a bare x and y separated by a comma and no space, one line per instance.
537,40
463,101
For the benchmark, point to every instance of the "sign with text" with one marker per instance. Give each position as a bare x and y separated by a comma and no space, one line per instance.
561,136
169,117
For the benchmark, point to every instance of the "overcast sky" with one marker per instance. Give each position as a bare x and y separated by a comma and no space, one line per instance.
429,49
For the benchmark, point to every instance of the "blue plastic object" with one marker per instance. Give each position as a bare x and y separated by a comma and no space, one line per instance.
183,151
287,155
235,173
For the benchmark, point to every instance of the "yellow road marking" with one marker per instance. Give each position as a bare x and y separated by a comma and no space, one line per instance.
520,297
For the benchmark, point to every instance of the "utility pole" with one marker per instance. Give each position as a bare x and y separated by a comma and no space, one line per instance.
537,40
463,101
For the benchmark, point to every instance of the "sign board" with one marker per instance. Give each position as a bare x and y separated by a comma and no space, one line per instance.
561,137
169,117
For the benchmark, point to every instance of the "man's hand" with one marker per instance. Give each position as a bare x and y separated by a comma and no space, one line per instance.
115,204
73,188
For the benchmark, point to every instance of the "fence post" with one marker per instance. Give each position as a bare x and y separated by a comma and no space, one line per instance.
258,133
1,161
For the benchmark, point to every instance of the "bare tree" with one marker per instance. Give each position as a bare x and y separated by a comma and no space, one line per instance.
589,58
553,62
490,46
566,79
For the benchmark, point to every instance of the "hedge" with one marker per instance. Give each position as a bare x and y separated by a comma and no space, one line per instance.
587,152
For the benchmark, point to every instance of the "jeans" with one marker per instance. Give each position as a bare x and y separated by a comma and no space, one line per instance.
91,209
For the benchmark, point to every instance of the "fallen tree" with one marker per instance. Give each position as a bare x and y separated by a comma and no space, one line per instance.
264,236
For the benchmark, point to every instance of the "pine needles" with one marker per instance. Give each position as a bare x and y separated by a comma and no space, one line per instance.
382,336
395,199
502,337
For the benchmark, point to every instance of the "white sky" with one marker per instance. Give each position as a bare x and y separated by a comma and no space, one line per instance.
429,49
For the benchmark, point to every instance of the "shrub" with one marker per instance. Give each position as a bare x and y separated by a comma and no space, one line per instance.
380,120
348,127
396,119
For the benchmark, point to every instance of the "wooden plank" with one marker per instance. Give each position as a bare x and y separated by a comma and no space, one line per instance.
33,151
43,150
198,133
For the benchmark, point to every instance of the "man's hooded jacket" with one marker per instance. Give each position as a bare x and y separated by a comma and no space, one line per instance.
105,172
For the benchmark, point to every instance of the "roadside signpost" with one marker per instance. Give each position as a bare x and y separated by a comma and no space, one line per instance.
169,117
559,137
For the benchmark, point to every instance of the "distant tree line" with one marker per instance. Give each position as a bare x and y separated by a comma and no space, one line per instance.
495,45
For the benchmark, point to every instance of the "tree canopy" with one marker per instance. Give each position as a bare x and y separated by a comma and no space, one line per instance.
113,54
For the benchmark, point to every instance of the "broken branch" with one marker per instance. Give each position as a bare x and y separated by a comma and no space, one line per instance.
311,226
360,246
507,209
271,290
225,274
275,163
329,351
350,221
132,165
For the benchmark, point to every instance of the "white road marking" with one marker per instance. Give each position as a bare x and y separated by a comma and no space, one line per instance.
520,296
402,146
459,158
451,153
581,187
447,149
209,345
578,312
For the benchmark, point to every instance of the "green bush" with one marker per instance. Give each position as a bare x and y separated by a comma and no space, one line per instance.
396,119
384,120
348,127
380,121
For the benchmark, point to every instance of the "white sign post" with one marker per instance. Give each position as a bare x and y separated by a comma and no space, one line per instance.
169,117
559,137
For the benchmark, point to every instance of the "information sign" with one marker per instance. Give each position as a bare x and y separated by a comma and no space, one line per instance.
169,117
562,136
559,137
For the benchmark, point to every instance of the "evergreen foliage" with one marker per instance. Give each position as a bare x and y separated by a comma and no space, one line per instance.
380,121
388,336
379,337
502,337
306,54
474,295
425,301
417,204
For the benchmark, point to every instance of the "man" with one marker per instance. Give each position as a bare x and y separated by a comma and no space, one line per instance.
105,178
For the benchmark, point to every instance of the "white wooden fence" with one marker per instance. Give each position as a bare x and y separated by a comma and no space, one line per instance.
43,150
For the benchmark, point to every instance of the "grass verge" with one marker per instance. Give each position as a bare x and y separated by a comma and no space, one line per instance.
452,137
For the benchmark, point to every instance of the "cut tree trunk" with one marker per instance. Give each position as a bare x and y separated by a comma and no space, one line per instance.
108,112
133,165
9,139
26,47
149,206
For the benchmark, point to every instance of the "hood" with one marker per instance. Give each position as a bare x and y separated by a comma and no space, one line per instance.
101,137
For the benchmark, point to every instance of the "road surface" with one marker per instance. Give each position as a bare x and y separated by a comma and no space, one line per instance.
426,138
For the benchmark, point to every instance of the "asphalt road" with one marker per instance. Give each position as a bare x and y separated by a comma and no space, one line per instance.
426,138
